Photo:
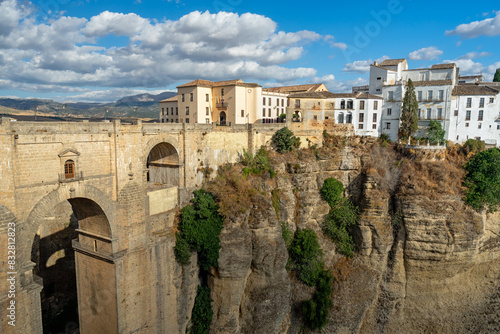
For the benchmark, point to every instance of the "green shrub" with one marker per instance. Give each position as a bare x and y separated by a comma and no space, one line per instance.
201,316
483,180
287,234
473,145
200,228
315,311
331,191
384,138
284,140
182,251
337,223
258,164
435,132
307,256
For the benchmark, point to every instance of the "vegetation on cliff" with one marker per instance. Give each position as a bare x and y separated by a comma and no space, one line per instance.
202,311
483,180
284,140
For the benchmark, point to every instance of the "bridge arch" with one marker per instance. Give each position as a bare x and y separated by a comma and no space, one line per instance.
93,262
162,161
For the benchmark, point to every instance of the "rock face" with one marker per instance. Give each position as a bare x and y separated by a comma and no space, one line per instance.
423,266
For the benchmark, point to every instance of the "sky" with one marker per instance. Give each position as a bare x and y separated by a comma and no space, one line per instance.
102,50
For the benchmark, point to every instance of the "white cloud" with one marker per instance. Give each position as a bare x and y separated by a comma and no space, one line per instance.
66,51
486,27
361,66
474,55
429,53
341,46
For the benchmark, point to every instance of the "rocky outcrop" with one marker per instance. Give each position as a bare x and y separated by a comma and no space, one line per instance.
423,265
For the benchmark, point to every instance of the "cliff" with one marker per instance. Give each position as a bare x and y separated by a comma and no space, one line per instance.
425,261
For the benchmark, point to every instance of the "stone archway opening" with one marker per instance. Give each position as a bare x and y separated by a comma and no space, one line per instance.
163,166
72,252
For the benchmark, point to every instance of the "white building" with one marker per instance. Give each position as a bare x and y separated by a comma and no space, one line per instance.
273,106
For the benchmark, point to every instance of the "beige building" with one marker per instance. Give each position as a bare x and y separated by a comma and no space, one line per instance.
298,89
222,102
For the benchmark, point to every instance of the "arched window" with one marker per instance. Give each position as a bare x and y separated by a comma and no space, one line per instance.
342,104
349,118
341,118
69,169
349,104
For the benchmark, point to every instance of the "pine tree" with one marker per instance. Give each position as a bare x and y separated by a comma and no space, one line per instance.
409,113
496,78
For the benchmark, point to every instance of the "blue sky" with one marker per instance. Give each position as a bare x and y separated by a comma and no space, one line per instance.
89,50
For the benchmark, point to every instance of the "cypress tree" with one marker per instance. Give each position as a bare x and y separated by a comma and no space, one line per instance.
496,78
409,113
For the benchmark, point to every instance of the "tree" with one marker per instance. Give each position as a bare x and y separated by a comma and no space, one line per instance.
496,78
483,180
284,140
435,132
409,113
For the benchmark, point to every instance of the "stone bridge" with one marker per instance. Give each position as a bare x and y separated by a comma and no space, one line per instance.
91,208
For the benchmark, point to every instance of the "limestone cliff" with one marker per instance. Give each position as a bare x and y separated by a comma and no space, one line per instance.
426,263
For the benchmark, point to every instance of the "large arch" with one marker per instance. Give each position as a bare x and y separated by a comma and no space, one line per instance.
162,162
93,247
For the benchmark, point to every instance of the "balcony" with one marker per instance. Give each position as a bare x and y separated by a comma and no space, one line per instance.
77,177
221,105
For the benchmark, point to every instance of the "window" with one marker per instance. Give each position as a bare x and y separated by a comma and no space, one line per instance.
297,103
69,169
222,92
187,111
341,118
242,113
480,115
374,126
182,97
163,111
440,113
481,102
360,126
374,118
207,120
282,102
429,95
361,117
177,110
191,97
263,112
389,111
162,120
269,100
492,100
429,113
375,105
342,104
187,120
207,98
388,126
466,125
498,127
263,101
456,113
419,95
207,111
441,95
315,117
362,105
348,118
390,95
349,104
379,78
269,112
469,102
479,126
467,115
176,120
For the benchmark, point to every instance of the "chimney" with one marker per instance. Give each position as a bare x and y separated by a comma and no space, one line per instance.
375,63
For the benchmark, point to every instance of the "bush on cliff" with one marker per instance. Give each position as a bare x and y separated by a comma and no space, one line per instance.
331,191
199,231
201,316
315,311
483,180
337,223
284,140
307,256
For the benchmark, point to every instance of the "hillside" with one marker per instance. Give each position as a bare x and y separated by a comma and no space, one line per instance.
141,105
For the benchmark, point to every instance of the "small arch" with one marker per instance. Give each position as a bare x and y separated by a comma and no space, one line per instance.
349,118
222,118
163,165
69,169
341,118
342,104
349,104
297,116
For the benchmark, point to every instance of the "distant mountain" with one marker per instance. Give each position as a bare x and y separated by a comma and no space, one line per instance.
141,105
